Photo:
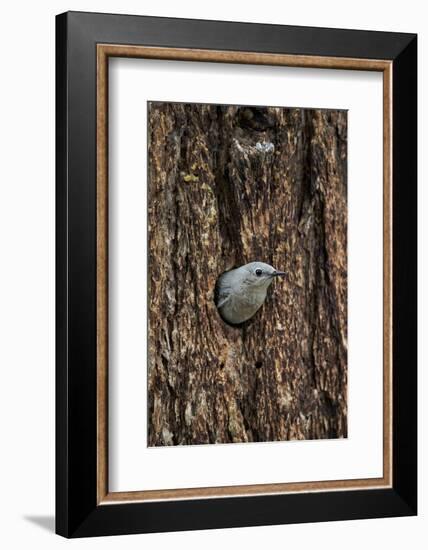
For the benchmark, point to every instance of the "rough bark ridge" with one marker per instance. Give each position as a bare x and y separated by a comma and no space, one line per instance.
229,185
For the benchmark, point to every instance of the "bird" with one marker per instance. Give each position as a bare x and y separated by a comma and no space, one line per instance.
241,292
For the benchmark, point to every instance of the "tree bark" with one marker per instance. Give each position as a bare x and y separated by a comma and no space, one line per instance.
229,185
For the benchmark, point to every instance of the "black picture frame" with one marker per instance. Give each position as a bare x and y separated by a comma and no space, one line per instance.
77,511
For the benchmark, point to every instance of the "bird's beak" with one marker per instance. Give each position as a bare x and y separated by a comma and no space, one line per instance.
278,273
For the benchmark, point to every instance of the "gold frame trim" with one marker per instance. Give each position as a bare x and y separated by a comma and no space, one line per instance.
104,51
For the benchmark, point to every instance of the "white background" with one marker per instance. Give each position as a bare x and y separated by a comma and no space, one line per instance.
27,275
133,466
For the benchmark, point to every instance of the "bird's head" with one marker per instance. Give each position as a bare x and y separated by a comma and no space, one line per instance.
259,274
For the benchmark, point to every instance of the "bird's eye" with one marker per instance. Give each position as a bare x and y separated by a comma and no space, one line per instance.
258,272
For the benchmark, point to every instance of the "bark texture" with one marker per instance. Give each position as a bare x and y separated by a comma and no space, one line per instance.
229,185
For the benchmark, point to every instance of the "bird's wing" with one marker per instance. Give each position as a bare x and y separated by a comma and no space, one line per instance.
223,298
223,291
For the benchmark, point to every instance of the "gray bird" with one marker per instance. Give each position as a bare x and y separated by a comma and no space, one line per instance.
242,291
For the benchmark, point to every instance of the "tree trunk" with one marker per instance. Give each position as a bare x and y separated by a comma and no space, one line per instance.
229,185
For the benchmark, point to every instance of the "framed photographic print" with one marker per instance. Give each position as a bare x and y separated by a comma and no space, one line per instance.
236,274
